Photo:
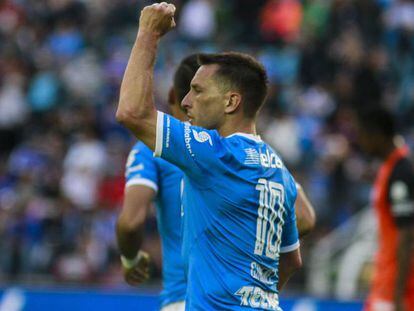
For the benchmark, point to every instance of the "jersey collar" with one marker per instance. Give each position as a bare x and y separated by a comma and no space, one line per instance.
255,138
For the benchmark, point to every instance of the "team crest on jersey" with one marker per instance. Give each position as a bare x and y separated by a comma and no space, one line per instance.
202,137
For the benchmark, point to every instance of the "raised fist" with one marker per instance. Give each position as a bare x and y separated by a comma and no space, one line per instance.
157,18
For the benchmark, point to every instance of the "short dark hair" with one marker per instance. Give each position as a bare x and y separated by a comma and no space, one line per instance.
184,74
377,120
244,73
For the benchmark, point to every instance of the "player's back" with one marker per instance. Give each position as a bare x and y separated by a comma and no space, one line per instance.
233,248
143,169
238,216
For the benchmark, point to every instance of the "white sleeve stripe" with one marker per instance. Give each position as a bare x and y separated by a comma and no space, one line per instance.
143,182
159,134
289,248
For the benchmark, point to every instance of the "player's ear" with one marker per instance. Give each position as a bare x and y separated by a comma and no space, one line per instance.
233,102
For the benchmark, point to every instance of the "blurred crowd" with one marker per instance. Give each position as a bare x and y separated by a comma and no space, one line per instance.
62,154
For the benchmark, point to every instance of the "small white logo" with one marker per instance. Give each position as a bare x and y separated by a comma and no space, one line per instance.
131,157
132,170
252,156
136,168
187,138
399,191
202,137
400,197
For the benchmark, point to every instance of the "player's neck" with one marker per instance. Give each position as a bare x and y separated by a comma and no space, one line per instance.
246,126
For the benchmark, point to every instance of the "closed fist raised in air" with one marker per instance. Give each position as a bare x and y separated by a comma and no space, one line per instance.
157,18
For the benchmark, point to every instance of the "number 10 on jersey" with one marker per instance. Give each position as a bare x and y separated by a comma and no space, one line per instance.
269,220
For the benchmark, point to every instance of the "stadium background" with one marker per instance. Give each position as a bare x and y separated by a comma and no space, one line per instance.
62,154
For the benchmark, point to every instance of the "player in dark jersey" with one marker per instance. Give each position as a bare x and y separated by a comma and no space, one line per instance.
393,200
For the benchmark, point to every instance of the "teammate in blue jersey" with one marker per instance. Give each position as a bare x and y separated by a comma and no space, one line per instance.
149,179
240,235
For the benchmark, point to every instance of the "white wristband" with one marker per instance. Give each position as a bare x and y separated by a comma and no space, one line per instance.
130,263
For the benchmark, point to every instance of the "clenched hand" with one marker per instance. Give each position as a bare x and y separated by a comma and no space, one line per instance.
157,18
138,273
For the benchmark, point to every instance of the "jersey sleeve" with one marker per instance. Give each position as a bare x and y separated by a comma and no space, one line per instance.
290,234
194,150
141,168
401,193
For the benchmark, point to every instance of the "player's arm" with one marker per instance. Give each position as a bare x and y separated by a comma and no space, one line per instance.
130,232
136,109
305,213
140,189
289,263
401,198
290,259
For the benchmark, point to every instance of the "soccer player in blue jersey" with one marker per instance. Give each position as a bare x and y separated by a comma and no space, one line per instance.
149,179
240,240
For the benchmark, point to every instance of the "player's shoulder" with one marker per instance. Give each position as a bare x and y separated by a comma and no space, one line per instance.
403,169
241,141
272,158
254,149
276,160
140,148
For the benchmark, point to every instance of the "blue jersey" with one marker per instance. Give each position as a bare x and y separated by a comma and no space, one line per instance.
143,169
239,215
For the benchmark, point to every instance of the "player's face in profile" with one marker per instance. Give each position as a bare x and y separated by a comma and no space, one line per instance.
205,102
